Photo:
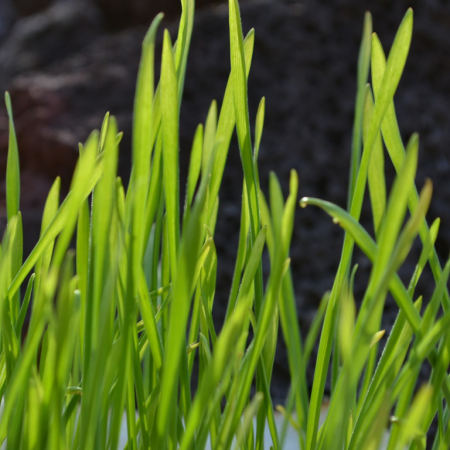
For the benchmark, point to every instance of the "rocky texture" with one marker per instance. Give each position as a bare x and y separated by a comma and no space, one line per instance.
8,15
305,64
39,40
120,14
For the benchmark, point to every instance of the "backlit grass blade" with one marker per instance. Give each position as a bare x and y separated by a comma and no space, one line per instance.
394,145
183,42
394,217
24,307
144,126
155,198
425,255
438,375
225,347
12,166
50,211
368,246
252,266
102,213
225,126
411,425
249,413
57,224
390,363
377,184
9,341
175,344
391,78
16,263
82,264
169,109
194,165
238,73
210,135
259,125
241,254
314,329
362,75
272,294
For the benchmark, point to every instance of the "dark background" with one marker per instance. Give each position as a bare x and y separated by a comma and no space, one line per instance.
68,62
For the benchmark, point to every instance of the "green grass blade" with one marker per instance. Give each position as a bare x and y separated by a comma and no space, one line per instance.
24,307
377,184
259,125
210,135
12,166
225,126
169,109
194,166
362,75
190,245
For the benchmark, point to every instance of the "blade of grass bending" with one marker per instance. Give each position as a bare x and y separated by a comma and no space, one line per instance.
362,76
371,309
369,247
58,223
377,184
391,78
169,110
394,145
12,166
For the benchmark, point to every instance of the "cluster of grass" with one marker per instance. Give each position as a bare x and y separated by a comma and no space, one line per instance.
118,324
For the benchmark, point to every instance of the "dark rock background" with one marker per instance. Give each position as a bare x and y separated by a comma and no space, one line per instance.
68,63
